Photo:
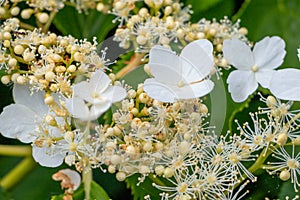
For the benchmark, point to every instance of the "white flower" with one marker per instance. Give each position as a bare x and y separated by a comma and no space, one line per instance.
70,179
253,67
180,77
25,121
93,98
285,84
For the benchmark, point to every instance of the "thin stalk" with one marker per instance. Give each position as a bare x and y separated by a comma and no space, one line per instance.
15,150
17,173
87,177
134,63
49,22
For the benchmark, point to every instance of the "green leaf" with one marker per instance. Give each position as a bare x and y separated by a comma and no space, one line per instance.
93,24
144,188
96,193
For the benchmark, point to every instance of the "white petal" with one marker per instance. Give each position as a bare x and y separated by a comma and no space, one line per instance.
241,84
77,108
84,90
202,88
159,91
165,65
285,84
238,54
269,52
99,81
47,157
19,122
35,101
74,177
199,54
264,76
114,93
98,109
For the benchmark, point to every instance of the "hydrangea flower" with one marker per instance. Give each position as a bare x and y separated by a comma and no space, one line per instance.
183,76
25,120
253,67
92,98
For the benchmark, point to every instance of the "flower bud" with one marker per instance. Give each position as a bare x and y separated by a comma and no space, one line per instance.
121,176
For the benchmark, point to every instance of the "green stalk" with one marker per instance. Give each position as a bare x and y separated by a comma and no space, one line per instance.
15,150
17,173
87,177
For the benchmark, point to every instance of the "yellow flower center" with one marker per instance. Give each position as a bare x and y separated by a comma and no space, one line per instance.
254,68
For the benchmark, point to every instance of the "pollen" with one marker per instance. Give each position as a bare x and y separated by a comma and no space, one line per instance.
254,68
180,83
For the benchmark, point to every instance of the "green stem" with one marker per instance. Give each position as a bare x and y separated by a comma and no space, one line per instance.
15,150
87,177
241,10
17,173
260,160
47,25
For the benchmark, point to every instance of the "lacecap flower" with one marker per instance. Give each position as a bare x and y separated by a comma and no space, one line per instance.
253,67
180,77
92,98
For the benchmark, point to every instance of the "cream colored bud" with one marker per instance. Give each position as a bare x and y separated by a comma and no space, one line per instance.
134,111
60,69
49,100
158,146
49,76
7,35
168,172
12,62
2,11
42,49
100,7
159,170
184,147
21,80
285,175
117,131
168,10
120,176
19,49
26,13
243,30
143,97
15,11
140,39
115,159
43,17
203,108
49,119
200,35
112,76
282,139
71,68
56,58
143,12
296,141
212,32
54,87
119,5
78,56
5,79
130,149
111,169
131,93
271,102
14,77
143,169
6,43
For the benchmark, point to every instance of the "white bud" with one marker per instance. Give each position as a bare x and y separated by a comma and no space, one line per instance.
111,169
140,39
115,159
71,68
14,77
5,79
120,176
15,11
7,35
12,62
159,170
19,49
26,13
100,7
43,17
49,100
285,175
168,172
21,80
143,169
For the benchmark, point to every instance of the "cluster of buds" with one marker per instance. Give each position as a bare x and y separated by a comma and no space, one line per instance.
44,60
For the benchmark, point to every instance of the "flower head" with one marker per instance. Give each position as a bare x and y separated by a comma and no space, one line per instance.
98,93
180,77
253,67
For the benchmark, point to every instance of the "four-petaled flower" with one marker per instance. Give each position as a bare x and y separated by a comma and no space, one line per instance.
253,67
92,98
180,77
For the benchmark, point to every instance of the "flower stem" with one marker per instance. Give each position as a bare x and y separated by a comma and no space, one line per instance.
47,25
87,177
15,150
134,63
241,10
17,173
260,160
